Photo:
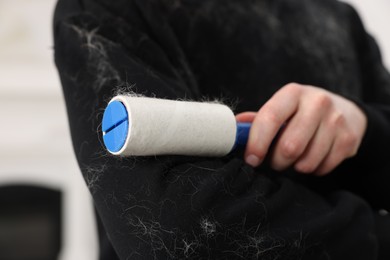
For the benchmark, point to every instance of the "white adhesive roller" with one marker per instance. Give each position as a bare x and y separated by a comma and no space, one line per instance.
142,126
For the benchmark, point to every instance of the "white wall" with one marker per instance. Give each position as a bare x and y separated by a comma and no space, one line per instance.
375,15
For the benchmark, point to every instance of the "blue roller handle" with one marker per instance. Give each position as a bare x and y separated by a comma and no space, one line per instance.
242,134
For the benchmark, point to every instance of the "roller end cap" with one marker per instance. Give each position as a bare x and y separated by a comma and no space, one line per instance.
115,126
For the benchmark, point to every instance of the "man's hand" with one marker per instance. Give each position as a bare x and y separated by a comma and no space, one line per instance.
316,130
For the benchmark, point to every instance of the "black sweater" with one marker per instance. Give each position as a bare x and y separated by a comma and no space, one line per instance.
175,207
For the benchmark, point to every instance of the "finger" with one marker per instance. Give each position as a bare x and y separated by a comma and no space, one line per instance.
300,130
342,148
269,120
316,151
246,117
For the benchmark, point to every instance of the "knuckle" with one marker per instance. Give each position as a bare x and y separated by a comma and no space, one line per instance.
339,119
291,149
293,87
270,115
336,121
323,101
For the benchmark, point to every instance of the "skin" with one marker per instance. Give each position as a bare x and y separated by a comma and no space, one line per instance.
314,130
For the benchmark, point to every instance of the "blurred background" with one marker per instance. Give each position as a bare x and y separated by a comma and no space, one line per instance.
35,146
45,208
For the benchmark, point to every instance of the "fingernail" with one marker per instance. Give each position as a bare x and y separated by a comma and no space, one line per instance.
252,160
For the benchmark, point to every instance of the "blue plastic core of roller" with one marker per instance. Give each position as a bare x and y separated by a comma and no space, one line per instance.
115,126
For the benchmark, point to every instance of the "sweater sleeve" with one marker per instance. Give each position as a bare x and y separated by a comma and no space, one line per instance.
371,164
376,92
176,207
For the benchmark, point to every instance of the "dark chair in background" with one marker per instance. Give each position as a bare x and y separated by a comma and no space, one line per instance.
30,222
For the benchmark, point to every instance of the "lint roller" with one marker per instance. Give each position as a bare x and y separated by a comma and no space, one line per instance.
142,126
